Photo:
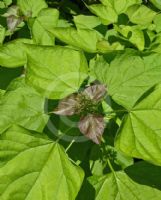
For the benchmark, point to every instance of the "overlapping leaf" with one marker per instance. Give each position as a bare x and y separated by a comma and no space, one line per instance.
140,14
129,76
139,135
46,20
12,53
119,186
31,6
22,105
85,39
34,167
58,72
120,6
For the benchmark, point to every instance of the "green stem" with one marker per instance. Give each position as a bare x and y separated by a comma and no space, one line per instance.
116,111
68,147
110,166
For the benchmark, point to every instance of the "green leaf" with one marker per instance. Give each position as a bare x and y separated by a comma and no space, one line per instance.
156,3
121,6
98,68
129,76
105,47
1,94
55,71
157,22
85,39
46,20
139,135
106,13
31,6
2,34
145,173
141,15
7,2
84,21
136,35
118,185
22,105
50,176
12,53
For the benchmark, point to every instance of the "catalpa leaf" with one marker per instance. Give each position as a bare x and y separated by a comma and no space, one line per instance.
119,186
156,3
128,76
31,6
139,134
140,14
106,13
46,20
53,77
34,167
105,47
120,6
92,126
22,105
85,39
12,53
157,22
67,106
2,34
137,35
84,21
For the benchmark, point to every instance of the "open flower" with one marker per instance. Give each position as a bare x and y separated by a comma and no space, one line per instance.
85,104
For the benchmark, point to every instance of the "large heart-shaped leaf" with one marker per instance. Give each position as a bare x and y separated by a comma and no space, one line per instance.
139,135
34,167
119,186
129,76
22,105
55,71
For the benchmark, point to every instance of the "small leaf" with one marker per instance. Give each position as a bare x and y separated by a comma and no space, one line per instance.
95,92
13,22
12,53
67,106
92,126
12,11
13,17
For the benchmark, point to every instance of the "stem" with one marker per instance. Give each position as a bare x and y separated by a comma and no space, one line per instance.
110,166
68,147
116,111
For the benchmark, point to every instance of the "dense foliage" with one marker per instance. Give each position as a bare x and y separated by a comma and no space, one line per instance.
80,100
